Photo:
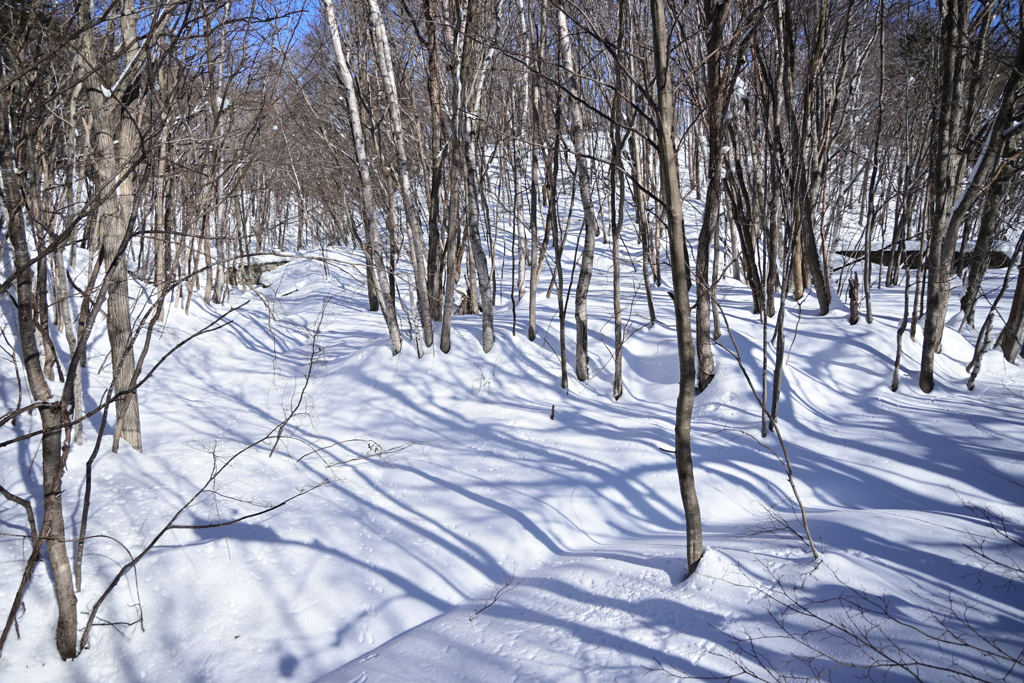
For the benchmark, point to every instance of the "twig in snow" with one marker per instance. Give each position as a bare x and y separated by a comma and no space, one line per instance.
510,583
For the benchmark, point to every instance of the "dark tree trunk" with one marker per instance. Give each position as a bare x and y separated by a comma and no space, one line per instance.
677,246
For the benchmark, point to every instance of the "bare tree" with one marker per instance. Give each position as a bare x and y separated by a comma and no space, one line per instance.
586,194
412,214
677,245
375,265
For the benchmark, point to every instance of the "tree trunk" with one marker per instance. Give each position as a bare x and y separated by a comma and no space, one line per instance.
374,260
586,196
1013,333
854,289
943,180
982,249
114,172
412,215
643,229
873,184
718,87
438,154
532,96
677,247
472,88
617,182
51,414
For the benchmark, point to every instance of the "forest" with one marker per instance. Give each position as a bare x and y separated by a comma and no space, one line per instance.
511,339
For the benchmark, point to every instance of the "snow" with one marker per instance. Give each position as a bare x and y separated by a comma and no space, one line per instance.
459,532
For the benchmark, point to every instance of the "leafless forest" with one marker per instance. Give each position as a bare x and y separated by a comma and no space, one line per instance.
181,144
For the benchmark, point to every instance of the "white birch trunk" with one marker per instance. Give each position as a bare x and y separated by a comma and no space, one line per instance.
366,186
412,215
586,198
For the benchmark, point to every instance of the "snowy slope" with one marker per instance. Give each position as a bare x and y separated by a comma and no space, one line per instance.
460,532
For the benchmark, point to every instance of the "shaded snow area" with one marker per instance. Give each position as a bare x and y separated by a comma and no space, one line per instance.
465,519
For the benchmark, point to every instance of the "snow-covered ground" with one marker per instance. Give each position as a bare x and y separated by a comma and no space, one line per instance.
472,521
